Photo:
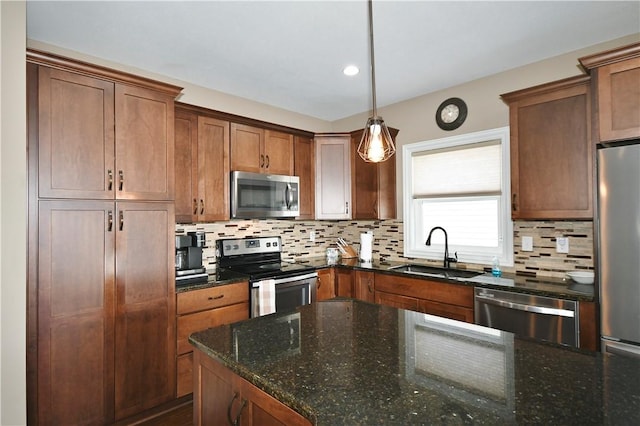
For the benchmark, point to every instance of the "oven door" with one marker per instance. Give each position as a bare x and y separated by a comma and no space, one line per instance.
281,294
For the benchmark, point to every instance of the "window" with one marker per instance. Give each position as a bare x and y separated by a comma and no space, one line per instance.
461,184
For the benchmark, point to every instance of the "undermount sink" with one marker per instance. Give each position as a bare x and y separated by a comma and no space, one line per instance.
432,271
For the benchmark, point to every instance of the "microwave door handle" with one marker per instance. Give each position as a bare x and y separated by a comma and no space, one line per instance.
288,194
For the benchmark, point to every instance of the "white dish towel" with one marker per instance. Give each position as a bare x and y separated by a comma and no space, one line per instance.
266,297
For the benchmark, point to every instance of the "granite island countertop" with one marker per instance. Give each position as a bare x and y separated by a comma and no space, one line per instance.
344,361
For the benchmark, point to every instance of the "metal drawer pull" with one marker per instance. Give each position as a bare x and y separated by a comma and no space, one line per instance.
121,220
527,308
201,206
109,221
195,206
216,297
110,175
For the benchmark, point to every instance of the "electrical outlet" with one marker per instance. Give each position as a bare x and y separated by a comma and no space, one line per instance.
527,243
312,236
562,245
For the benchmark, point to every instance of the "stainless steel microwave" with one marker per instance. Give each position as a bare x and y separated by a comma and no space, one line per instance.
255,195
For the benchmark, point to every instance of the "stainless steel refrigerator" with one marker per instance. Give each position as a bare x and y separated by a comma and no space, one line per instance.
619,247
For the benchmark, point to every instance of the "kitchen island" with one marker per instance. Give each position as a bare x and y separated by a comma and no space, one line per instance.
345,361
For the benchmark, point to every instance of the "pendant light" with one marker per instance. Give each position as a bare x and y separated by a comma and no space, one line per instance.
376,144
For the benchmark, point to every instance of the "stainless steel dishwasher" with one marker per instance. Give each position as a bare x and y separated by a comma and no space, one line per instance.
538,317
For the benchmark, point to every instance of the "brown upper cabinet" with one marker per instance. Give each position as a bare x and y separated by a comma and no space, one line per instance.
202,166
102,139
616,86
374,193
304,168
551,150
257,150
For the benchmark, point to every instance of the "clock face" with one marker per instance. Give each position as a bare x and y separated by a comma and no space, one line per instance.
451,114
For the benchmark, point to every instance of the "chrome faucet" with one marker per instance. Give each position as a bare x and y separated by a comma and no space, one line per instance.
447,259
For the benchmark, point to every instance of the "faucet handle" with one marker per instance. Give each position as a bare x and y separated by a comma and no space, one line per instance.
453,259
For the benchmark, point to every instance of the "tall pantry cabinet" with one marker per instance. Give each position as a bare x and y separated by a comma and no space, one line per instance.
101,291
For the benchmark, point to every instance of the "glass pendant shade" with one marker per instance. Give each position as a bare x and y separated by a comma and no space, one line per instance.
376,144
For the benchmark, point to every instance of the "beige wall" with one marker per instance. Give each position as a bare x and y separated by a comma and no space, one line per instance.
415,118
13,214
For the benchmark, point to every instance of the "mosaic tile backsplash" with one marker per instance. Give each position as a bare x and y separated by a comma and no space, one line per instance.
388,241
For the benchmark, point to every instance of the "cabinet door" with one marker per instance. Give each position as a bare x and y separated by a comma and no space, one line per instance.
364,286
325,288
145,340
216,396
213,169
551,154
365,183
333,177
618,87
75,136
144,144
278,153
246,148
186,166
75,307
304,168
344,282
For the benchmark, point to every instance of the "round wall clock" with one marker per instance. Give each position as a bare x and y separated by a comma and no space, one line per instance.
451,114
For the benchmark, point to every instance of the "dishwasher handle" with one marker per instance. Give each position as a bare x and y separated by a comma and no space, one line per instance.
527,308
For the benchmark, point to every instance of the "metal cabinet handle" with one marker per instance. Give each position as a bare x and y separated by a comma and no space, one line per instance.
121,220
201,206
110,179
120,180
216,297
369,286
235,422
195,206
347,206
514,202
267,166
109,221
261,161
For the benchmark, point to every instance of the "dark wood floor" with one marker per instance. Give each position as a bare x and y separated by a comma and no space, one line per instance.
182,416
175,413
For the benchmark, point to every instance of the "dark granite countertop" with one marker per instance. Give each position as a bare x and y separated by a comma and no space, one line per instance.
345,361
550,287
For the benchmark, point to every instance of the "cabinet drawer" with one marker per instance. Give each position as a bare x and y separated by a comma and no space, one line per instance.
396,301
188,324
447,311
185,375
213,297
454,294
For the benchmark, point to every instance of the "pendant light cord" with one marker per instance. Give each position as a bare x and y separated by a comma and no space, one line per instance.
373,62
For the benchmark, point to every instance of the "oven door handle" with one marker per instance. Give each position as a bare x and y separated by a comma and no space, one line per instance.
527,308
287,279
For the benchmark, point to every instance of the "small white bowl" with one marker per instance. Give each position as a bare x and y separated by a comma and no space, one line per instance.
581,277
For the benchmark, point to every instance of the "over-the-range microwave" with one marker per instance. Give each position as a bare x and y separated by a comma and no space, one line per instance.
256,195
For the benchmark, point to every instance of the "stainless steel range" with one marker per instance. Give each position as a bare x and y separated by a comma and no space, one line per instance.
274,285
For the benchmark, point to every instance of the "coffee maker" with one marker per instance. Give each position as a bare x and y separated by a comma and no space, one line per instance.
189,267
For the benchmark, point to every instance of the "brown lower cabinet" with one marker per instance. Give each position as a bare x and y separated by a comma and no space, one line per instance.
431,297
221,397
201,309
325,287
344,282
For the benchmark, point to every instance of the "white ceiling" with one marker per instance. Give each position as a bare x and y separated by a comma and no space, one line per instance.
290,54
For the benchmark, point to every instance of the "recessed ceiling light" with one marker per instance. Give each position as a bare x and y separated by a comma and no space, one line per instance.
351,70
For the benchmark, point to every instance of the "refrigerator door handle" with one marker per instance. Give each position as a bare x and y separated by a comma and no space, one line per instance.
623,349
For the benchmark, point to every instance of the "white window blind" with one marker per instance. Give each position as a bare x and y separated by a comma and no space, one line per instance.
470,170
